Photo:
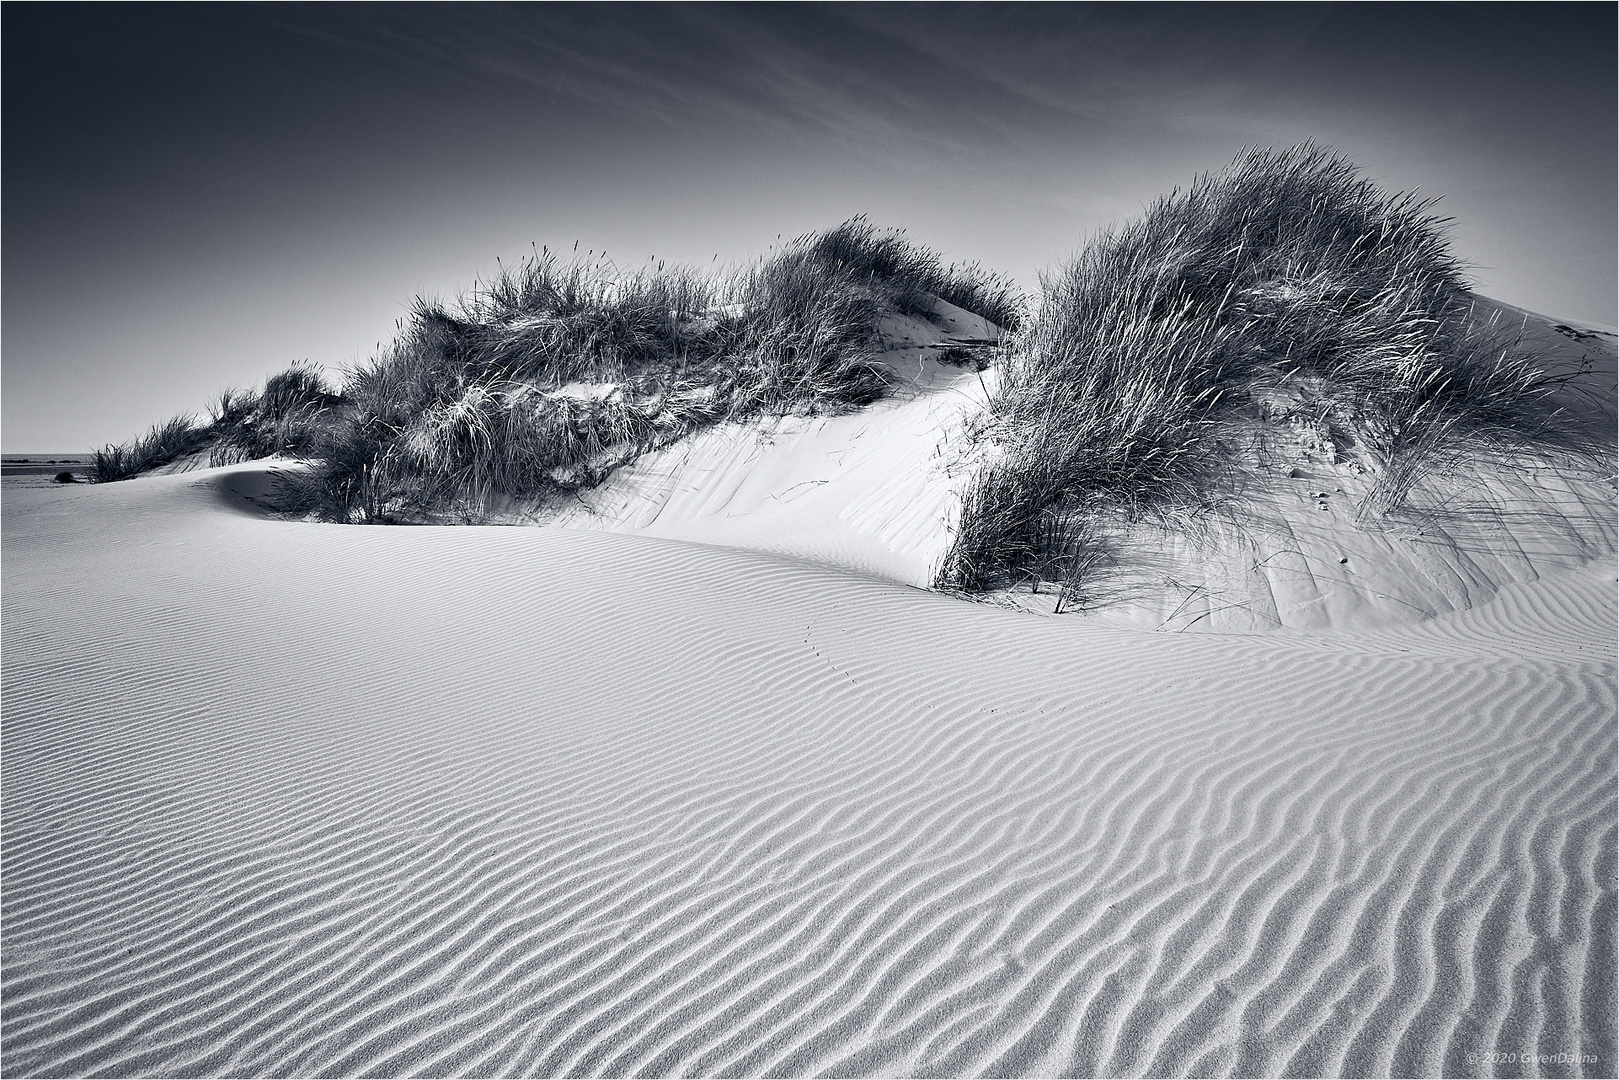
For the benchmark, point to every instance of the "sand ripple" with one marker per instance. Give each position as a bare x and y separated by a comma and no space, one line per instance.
306,800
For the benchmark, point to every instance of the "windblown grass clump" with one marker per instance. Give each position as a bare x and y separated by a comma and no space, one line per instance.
286,419
163,445
1122,401
912,276
555,373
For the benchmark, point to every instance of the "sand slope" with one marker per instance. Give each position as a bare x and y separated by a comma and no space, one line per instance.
878,491
875,490
292,799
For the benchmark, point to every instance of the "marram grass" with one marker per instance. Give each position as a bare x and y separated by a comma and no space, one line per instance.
558,371
1122,399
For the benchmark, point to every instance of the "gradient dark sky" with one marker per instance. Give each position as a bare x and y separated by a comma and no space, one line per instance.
196,196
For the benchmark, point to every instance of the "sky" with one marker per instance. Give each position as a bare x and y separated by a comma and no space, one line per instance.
196,196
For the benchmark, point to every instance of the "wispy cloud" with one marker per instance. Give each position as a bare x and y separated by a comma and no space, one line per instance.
693,72
254,158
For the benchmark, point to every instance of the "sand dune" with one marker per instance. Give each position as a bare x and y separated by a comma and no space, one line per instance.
879,490
294,799
875,490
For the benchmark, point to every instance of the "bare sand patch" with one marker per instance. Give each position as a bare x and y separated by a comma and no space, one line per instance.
295,799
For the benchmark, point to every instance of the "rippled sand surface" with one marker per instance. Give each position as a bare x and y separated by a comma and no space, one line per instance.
294,799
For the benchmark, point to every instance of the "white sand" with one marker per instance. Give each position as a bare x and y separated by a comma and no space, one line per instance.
294,799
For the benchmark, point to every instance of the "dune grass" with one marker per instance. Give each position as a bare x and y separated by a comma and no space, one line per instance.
282,419
164,444
1285,290
558,371
1124,398
909,275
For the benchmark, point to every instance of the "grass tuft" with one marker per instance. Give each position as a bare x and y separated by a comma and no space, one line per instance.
1123,398
286,419
556,372
912,276
163,445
